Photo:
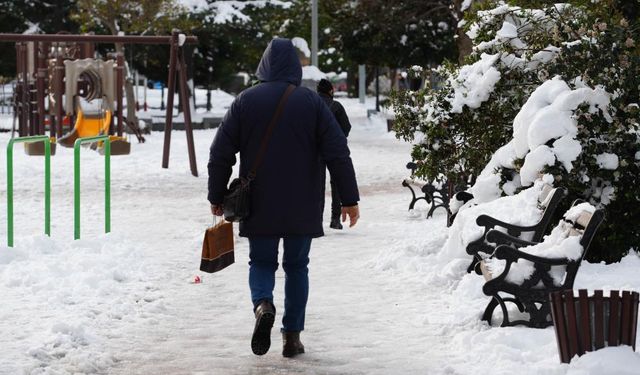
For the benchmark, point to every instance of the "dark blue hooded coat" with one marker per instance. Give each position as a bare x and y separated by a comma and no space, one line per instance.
287,194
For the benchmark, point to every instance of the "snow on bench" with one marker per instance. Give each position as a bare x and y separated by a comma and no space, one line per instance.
518,235
530,273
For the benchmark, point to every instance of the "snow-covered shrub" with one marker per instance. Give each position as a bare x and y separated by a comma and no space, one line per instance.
546,91
458,123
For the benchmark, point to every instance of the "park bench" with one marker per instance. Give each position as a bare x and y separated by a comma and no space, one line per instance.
436,195
548,201
532,272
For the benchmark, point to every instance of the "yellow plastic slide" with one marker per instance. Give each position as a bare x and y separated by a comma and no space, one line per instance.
87,126
92,126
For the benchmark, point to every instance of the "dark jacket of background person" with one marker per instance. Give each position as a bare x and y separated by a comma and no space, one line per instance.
338,111
287,195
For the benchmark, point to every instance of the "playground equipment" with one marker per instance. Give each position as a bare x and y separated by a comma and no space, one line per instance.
106,139
52,64
76,182
93,103
47,182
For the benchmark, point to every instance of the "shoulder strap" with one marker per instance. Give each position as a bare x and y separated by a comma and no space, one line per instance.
267,134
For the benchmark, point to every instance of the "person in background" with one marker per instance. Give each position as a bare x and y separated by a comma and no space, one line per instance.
325,90
287,191
402,81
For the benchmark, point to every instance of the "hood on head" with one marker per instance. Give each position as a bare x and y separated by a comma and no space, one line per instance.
280,63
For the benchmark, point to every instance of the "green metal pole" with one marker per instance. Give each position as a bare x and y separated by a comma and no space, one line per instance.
76,182
47,183
10,193
76,190
107,186
47,187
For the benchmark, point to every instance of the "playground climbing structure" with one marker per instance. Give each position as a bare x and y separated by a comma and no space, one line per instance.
62,82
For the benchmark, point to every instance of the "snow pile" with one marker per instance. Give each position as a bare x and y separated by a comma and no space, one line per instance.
548,116
100,283
474,83
620,361
544,133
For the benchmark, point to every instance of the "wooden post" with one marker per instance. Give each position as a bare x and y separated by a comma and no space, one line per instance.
186,111
26,127
17,95
88,50
171,86
32,69
41,76
119,88
58,88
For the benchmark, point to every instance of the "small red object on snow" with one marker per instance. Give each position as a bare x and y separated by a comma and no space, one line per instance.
197,280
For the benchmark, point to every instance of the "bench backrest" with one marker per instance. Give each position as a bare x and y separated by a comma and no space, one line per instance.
548,201
586,226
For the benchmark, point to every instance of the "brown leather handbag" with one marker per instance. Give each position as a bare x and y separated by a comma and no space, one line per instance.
217,247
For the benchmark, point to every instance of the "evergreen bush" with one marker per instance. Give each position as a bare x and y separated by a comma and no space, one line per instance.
457,124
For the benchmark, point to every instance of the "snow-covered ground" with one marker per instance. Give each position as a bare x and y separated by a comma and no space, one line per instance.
381,301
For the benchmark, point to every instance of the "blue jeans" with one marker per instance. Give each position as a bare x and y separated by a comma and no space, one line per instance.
263,255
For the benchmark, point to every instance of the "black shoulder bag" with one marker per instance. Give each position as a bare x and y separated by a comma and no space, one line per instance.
236,201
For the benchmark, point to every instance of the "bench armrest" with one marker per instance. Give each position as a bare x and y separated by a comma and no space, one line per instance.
489,222
501,238
508,253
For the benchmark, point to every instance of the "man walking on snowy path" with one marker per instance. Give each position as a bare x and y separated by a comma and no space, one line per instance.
325,90
287,193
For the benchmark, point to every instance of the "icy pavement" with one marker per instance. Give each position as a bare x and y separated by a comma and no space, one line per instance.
359,320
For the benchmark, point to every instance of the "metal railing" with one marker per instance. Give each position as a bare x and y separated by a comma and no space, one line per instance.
76,182
47,183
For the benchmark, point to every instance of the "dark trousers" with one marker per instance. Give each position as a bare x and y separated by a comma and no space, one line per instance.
336,205
263,255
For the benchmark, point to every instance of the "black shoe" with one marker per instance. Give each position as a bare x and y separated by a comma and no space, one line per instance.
261,339
335,224
291,345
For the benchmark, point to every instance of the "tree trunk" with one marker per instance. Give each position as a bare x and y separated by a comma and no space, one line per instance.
394,78
464,43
